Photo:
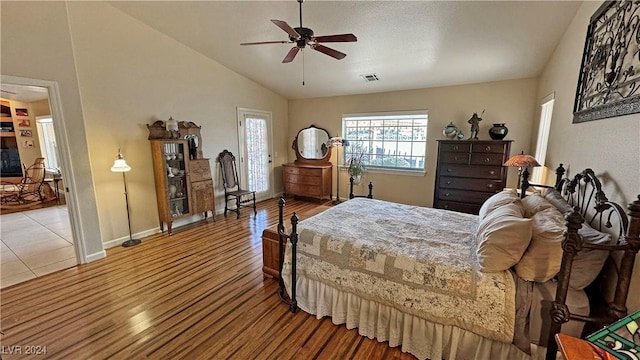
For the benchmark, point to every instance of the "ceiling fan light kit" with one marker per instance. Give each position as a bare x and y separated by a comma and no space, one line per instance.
303,37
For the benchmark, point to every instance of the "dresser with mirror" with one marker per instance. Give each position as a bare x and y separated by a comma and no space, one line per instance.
311,173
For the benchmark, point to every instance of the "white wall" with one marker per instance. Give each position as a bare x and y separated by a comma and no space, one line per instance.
611,147
510,102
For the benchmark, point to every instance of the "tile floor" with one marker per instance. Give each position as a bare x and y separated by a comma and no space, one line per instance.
35,243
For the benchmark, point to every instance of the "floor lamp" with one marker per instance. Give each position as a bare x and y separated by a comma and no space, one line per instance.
337,142
120,165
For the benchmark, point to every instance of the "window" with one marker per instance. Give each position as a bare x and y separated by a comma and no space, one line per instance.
47,139
543,137
394,141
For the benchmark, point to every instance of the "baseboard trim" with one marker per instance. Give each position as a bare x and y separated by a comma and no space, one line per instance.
96,256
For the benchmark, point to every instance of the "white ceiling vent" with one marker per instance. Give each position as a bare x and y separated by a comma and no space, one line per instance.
370,77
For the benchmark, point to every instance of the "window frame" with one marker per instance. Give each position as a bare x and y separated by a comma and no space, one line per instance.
388,115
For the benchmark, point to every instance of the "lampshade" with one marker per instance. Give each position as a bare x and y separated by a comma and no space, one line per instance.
522,160
120,165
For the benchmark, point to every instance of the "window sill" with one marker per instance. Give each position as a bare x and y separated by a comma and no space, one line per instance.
390,171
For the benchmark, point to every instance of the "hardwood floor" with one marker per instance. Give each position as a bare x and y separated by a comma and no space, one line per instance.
198,294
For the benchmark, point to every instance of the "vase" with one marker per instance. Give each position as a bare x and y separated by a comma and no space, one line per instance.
450,131
357,179
172,191
498,131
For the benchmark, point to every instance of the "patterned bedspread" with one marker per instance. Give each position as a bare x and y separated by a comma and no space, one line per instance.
419,260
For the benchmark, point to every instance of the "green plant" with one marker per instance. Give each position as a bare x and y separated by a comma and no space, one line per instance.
356,166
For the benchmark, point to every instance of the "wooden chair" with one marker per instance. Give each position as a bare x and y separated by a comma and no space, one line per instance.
231,184
29,189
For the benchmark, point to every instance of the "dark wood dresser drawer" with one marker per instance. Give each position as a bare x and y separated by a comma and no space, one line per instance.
455,158
487,159
470,184
460,207
473,197
473,171
307,190
497,147
455,147
307,180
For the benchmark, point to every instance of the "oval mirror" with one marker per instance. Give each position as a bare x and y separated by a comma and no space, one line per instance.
311,144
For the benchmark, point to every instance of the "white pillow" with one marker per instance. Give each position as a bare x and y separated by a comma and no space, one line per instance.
502,237
556,199
541,261
495,201
588,262
534,203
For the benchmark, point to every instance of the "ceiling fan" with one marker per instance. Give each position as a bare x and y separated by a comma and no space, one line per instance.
303,37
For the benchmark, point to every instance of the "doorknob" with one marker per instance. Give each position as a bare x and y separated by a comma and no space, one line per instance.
270,161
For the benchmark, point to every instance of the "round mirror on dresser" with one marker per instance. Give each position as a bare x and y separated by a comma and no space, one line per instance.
310,174
311,147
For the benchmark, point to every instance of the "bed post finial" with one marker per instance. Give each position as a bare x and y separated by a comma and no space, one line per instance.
560,171
281,239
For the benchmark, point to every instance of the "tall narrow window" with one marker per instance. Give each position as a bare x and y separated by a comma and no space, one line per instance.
47,138
393,141
546,112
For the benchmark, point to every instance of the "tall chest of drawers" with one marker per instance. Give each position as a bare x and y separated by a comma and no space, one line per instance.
307,180
469,172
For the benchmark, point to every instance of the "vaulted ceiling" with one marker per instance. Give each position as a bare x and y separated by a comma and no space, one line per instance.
407,44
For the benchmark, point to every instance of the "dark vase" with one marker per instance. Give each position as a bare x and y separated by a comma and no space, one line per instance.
498,131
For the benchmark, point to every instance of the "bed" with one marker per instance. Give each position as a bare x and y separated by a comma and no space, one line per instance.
447,285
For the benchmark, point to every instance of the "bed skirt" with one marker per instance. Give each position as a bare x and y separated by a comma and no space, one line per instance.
419,337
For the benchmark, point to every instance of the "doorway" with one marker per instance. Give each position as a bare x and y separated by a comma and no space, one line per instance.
38,240
254,148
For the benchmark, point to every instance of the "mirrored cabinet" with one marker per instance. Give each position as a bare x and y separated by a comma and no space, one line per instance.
184,185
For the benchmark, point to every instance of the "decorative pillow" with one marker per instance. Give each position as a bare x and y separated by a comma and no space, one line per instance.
502,238
541,261
535,203
588,262
556,199
495,201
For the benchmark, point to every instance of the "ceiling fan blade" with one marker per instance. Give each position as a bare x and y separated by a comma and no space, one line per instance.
266,42
329,51
288,29
291,54
336,38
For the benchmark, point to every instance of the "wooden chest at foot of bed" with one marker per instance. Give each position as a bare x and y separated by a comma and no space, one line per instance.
270,252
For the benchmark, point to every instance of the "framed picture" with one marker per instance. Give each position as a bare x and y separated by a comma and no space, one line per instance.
621,339
609,80
28,143
25,133
24,123
22,112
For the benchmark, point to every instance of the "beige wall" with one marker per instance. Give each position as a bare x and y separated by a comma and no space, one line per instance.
609,146
45,52
128,75
510,102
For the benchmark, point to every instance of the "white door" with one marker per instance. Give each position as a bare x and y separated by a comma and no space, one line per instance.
254,160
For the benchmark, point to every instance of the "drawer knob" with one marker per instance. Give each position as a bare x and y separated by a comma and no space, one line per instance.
449,170
490,186
446,195
446,206
448,182
455,158
488,148
492,172
487,160
455,147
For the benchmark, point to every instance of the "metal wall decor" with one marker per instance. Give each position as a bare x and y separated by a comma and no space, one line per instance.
609,81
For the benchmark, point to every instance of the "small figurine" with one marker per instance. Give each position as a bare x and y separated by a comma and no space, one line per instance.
475,125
